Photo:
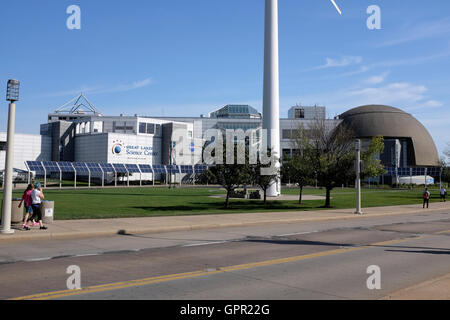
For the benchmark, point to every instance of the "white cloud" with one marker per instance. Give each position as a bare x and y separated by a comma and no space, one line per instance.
377,79
393,93
339,63
424,30
433,104
103,89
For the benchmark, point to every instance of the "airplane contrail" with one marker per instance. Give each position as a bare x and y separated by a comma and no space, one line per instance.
336,6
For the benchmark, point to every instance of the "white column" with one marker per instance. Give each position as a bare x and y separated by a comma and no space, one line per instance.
271,97
8,175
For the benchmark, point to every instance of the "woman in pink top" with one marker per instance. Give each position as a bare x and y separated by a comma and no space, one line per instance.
26,198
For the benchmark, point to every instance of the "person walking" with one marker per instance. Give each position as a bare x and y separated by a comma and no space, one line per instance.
37,195
426,198
26,199
443,193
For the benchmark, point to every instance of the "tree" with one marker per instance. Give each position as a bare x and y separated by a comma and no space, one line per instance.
299,167
231,176
447,151
372,165
333,155
263,175
445,171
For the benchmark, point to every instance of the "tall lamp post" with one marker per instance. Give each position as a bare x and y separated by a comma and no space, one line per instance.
12,95
358,176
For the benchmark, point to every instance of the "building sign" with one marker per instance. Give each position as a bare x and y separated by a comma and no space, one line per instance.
118,147
133,151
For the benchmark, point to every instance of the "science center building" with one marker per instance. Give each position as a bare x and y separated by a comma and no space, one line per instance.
79,133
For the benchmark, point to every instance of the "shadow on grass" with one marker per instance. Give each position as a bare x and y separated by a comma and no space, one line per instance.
235,206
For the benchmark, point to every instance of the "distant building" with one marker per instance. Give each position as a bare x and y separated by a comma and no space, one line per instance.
78,132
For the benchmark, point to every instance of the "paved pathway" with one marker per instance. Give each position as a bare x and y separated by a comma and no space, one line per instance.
66,229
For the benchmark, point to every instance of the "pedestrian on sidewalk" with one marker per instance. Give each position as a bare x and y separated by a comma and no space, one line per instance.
426,198
26,199
443,193
37,195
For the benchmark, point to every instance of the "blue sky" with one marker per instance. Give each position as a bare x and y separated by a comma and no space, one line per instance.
186,58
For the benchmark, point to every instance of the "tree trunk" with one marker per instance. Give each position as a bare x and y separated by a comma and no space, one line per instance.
227,202
328,198
265,196
301,195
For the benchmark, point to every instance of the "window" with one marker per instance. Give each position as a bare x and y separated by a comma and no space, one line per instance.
147,128
299,114
2,146
150,128
142,127
190,134
287,134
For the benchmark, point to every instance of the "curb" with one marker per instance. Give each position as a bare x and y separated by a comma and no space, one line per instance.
137,231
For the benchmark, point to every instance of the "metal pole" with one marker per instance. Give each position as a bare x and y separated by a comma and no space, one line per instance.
8,174
358,177
410,178
271,95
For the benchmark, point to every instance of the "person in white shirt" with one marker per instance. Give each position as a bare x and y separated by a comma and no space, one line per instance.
37,195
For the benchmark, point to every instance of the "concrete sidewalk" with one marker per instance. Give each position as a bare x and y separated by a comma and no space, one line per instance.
435,289
69,229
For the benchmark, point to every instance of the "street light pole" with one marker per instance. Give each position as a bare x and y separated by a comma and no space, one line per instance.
358,176
12,95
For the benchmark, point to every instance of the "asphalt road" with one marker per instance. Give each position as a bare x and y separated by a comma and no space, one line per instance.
316,260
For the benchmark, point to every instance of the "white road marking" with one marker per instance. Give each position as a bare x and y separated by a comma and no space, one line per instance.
296,234
204,244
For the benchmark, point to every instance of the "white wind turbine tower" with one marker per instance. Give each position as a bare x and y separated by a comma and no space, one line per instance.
271,95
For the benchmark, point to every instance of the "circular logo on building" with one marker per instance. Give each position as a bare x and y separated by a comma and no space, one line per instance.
117,148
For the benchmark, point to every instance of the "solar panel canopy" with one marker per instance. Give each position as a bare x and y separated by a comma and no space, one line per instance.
145,168
120,168
35,166
132,168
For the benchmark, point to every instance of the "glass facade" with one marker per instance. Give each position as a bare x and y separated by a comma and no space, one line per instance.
148,128
236,112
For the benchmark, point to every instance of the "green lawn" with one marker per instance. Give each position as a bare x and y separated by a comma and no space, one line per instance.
145,202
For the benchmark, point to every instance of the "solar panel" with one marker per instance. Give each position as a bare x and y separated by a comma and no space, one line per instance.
145,168
50,166
132,168
94,167
120,168
35,166
66,167
200,168
159,168
107,167
172,169
81,167
186,169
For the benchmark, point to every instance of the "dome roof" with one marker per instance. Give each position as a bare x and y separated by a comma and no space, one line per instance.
389,122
